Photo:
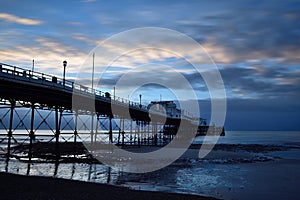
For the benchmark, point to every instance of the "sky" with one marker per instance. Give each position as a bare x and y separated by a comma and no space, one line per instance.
255,46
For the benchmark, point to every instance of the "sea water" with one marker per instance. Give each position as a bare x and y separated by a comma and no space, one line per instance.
253,137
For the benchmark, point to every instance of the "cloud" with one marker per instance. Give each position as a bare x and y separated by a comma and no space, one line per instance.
88,1
247,31
19,20
75,23
83,38
47,53
262,35
260,82
165,48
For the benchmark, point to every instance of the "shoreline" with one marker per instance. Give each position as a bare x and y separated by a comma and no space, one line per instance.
45,152
240,162
14,186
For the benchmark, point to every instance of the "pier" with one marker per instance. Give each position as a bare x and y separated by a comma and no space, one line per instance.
38,112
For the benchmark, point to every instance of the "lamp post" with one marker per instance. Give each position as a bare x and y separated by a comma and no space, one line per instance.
114,92
65,65
140,101
32,68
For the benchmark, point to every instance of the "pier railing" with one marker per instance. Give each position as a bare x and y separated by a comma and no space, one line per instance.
26,75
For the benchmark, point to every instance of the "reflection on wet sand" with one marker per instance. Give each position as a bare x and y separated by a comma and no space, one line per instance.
230,170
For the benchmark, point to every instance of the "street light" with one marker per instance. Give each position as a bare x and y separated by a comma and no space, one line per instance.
32,68
64,64
140,101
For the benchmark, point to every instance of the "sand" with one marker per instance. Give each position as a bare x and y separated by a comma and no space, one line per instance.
32,187
247,171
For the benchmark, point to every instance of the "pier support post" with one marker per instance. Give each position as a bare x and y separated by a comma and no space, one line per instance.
142,131
75,131
110,130
123,131
92,127
108,175
130,131
148,134
57,132
119,134
9,134
31,134
155,133
97,126
139,131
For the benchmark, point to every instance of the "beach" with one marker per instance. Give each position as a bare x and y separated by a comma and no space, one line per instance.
240,166
32,187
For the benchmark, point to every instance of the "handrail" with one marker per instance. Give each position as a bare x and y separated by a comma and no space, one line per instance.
60,83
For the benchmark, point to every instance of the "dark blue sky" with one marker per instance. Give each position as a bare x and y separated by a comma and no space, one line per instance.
255,44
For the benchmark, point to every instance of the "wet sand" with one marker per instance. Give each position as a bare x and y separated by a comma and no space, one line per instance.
230,171
32,187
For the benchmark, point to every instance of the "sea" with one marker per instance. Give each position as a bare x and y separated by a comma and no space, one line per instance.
260,175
